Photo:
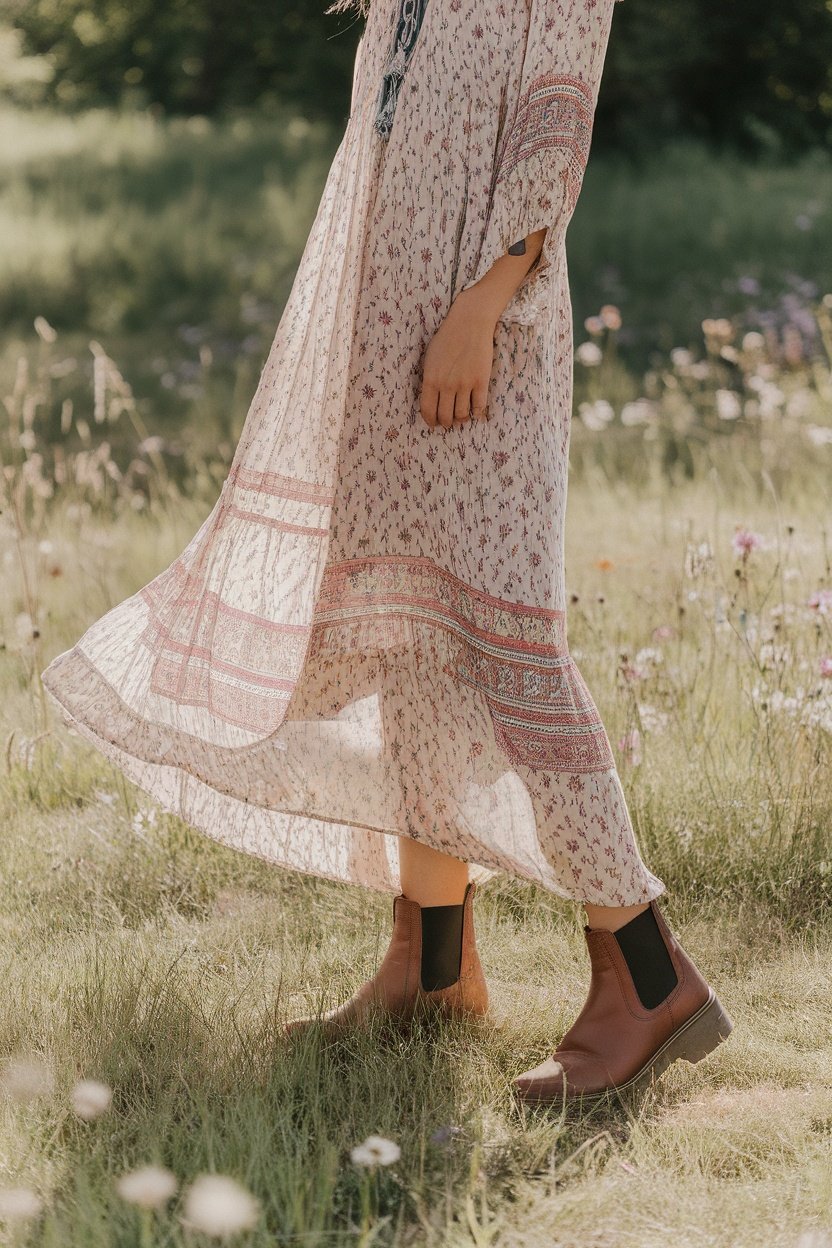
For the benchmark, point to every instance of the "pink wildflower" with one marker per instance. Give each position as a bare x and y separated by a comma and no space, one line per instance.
745,541
821,601
630,747
826,667
664,632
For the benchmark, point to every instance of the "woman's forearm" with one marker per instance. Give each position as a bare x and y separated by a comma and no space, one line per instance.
459,357
489,296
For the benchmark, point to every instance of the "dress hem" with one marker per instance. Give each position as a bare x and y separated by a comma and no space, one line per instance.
134,766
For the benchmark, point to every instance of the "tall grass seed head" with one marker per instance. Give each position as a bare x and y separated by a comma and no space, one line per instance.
219,1206
91,1098
376,1150
149,1187
26,1077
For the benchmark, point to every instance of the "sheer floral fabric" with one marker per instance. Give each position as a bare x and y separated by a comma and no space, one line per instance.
367,635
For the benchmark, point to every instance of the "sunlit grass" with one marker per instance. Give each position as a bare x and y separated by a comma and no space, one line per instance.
141,954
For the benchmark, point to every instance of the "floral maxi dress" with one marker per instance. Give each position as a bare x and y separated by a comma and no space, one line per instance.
366,637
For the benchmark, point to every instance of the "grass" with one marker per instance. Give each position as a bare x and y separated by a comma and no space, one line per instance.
170,983
138,952
158,236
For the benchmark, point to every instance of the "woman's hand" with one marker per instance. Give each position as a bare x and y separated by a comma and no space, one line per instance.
457,364
460,355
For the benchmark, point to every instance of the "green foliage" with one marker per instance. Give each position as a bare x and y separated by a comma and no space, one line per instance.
164,238
191,56
756,76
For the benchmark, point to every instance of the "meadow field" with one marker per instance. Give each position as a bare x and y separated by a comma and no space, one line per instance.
142,955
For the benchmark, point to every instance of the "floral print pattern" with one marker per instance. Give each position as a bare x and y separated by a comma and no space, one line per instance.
367,636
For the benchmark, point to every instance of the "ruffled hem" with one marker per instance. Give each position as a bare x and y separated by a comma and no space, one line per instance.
352,769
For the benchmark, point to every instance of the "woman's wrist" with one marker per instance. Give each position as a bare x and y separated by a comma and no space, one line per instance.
479,305
487,299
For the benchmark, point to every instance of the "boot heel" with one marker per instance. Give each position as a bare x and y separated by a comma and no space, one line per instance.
703,1033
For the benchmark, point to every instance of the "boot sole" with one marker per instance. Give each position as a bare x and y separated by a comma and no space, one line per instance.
693,1041
385,1022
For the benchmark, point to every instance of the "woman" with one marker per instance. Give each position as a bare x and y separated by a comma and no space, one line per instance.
358,666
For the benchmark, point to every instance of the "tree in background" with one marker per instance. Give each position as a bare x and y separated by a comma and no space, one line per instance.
191,56
756,76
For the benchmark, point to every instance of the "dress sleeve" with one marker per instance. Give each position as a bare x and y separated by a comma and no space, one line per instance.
545,147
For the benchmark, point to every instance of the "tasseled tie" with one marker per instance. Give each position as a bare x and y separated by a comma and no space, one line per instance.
411,13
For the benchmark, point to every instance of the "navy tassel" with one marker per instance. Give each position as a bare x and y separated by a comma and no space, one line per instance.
409,23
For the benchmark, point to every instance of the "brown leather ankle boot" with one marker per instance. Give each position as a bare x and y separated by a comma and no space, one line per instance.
396,988
615,1044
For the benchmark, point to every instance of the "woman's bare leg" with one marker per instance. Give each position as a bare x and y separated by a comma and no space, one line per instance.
610,918
430,877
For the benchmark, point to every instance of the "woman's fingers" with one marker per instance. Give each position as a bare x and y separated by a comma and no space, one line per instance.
479,400
446,408
462,406
428,403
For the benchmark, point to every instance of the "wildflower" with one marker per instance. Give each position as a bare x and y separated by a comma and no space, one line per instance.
596,416
681,358
826,668
698,558
25,1078
24,627
630,747
701,370
594,325
589,354
610,316
18,1204
648,656
652,719
90,1099
819,435
444,1135
718,330
151,445
638,412
144,819
753,341
748,286
772,655
771,397
744,541
664,632
632,673
375,1151
149,1187
218,1205
821,601
44,330
779,702
728,405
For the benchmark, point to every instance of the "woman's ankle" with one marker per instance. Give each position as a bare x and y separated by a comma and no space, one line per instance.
611,918
430,877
